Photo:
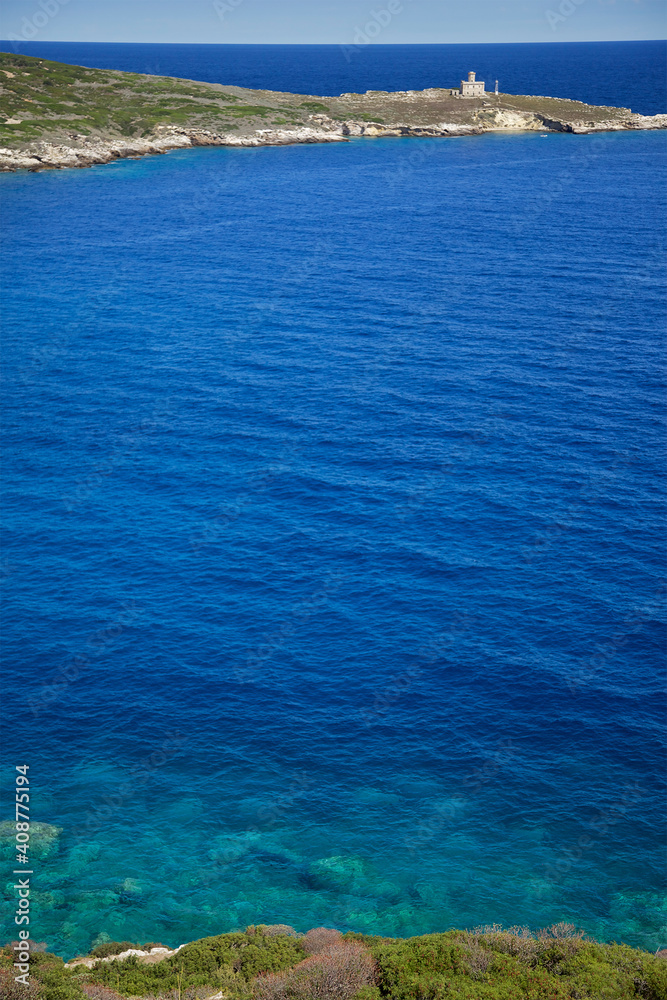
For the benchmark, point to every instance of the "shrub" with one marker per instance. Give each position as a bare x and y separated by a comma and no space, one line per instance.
477,959
11,990
270,963
558,944
95,992
404,967
337,973
241,992
58,985
206,962
49,979
516,941
561,932
655,978
273,930
320,938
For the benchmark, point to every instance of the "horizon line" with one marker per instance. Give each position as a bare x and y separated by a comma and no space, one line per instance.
80,41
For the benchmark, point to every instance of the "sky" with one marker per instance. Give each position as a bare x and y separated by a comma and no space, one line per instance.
332,21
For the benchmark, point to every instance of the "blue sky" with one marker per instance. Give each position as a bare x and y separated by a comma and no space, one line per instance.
333,21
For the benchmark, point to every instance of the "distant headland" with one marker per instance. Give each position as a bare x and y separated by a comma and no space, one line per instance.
53,115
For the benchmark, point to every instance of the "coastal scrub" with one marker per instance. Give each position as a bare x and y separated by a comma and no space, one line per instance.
276,963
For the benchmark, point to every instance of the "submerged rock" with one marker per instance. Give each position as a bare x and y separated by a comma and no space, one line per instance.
232,846
80,857
43,838
338,873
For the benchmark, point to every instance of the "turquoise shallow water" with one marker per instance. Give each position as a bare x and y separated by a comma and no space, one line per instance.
335,590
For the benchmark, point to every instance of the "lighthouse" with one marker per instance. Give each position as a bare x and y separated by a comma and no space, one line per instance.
471,87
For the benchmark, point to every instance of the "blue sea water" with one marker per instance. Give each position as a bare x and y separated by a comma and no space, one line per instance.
334,560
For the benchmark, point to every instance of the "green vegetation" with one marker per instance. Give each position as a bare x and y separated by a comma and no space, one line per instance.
315,106
492,964
229,960
374,119
49,979
276,963
42,99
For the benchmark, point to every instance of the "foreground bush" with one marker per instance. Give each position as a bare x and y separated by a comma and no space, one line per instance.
319,939
274,930
95,992
492,964
336,973
49,979
274,963
227,961
11,990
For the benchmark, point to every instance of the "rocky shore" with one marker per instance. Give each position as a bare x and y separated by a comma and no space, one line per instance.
148,956
88,152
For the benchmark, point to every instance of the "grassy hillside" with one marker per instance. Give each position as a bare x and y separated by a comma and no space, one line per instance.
276,963
54,101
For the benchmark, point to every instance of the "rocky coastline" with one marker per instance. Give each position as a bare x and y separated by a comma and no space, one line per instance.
88,152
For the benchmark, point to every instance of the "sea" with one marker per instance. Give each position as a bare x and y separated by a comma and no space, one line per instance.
334,516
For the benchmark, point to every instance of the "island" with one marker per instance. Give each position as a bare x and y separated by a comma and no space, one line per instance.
54,115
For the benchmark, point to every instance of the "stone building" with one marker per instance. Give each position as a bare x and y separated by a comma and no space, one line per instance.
471,87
